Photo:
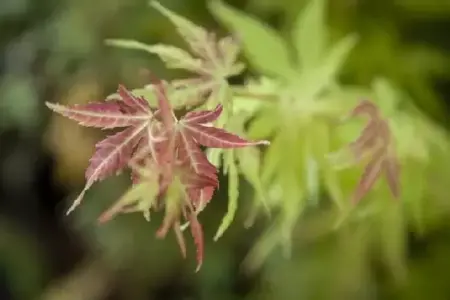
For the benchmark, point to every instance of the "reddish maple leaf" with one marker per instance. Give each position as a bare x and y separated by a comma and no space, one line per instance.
113,153
156,146
375,139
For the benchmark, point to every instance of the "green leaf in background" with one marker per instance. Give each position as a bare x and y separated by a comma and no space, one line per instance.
233,194
190,32
18,104
387,97
265,124
265,48
271,160
128,44
314,81
310,34
175,58
249,159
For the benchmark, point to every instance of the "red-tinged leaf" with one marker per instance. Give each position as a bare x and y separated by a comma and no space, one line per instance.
165,109
375,139
101,115
189,152
137,103
193,180
367,140
392,172
197,234
202,117
367,108
218,138
371,173
113,153
201,197
107,160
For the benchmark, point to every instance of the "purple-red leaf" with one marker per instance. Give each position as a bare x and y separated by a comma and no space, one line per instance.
189,152
202,117
218,138
201,197
375,139
112,154
197,234
139,104
101,115
392,173
110,157
368,178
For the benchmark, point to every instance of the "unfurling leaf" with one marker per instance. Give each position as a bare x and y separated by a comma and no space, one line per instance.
376,141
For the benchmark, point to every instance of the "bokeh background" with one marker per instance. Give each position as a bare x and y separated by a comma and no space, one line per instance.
53,50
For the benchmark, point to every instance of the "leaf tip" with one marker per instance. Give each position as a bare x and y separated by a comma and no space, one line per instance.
199,266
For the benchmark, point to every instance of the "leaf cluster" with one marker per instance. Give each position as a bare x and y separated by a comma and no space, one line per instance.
296,103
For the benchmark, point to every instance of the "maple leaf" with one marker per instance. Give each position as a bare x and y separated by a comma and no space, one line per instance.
190,164
216,58
163,152
375,139
113,153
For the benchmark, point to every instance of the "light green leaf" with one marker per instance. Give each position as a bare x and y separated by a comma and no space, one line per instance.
233,194
267,243
214,156
245,104
293,203
310,34
194,35
413,193
264,124
320,133
392,237
128,44
264,47
338,54
176,58
249,165
248,98
387,97
140,196
271,161
312,83
173,57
